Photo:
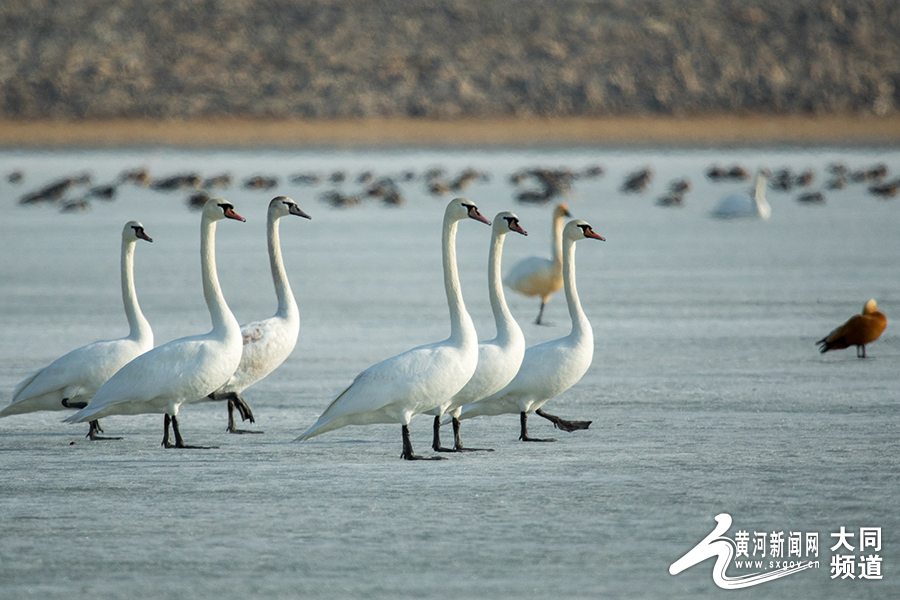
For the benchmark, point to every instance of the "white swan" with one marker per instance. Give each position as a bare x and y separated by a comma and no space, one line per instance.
744,205
550,368
183,370
539,276
499,358
72,380
397,389
269,342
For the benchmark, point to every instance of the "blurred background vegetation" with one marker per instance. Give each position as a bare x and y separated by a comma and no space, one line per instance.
446,59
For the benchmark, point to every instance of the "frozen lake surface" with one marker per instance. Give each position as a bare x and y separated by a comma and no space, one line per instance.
707,392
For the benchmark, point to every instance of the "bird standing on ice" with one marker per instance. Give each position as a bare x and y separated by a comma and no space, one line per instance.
269,342
421,379
499,358
184,370
539,276
550,368
71,380
858,331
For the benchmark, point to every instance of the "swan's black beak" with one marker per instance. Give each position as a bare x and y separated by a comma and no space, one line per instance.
296,210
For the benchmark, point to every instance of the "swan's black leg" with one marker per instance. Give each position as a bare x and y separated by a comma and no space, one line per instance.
235,401
179,443
95,429
457,441
436,443
408,451
166,420
562,423
523,421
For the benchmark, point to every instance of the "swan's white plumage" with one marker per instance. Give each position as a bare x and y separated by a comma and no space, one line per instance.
551,368
420,379
744,205
498,358
267,343
77,375
537,275
184,370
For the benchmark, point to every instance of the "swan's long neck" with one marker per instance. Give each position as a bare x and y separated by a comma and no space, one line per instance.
580,324
557,248
502,317
287,306
461,327
222,317
140,327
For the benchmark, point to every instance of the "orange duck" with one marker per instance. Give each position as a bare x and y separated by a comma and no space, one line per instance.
858,331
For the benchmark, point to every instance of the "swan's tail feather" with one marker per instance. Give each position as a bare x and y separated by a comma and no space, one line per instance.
25,383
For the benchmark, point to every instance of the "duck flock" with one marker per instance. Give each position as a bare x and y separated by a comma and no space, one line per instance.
530,185
451,380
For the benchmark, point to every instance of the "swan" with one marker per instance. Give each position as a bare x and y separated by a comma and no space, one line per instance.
743,205
499,358
269,342
421,379
550,368
858,331
539,276
72,379
183,370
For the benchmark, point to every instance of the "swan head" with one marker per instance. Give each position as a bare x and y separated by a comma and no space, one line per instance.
217,209
561,211
505,222
870,307
580,230
281,206
134,231
460,208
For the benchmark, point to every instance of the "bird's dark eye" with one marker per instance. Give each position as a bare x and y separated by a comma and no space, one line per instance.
511,221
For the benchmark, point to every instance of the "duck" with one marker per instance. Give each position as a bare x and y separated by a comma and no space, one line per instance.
743,205
498,358
184,370
71,380
537,275
267,343
423,378
859,330
553,367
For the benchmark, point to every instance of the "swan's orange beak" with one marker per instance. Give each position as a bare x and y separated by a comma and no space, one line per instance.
474,214
593,234
229,212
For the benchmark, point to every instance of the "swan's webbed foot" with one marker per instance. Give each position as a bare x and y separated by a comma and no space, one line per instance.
408,454
95,429
235,401
563,423
523,435
457,441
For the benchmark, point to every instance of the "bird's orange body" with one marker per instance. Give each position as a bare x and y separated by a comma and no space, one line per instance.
858,331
